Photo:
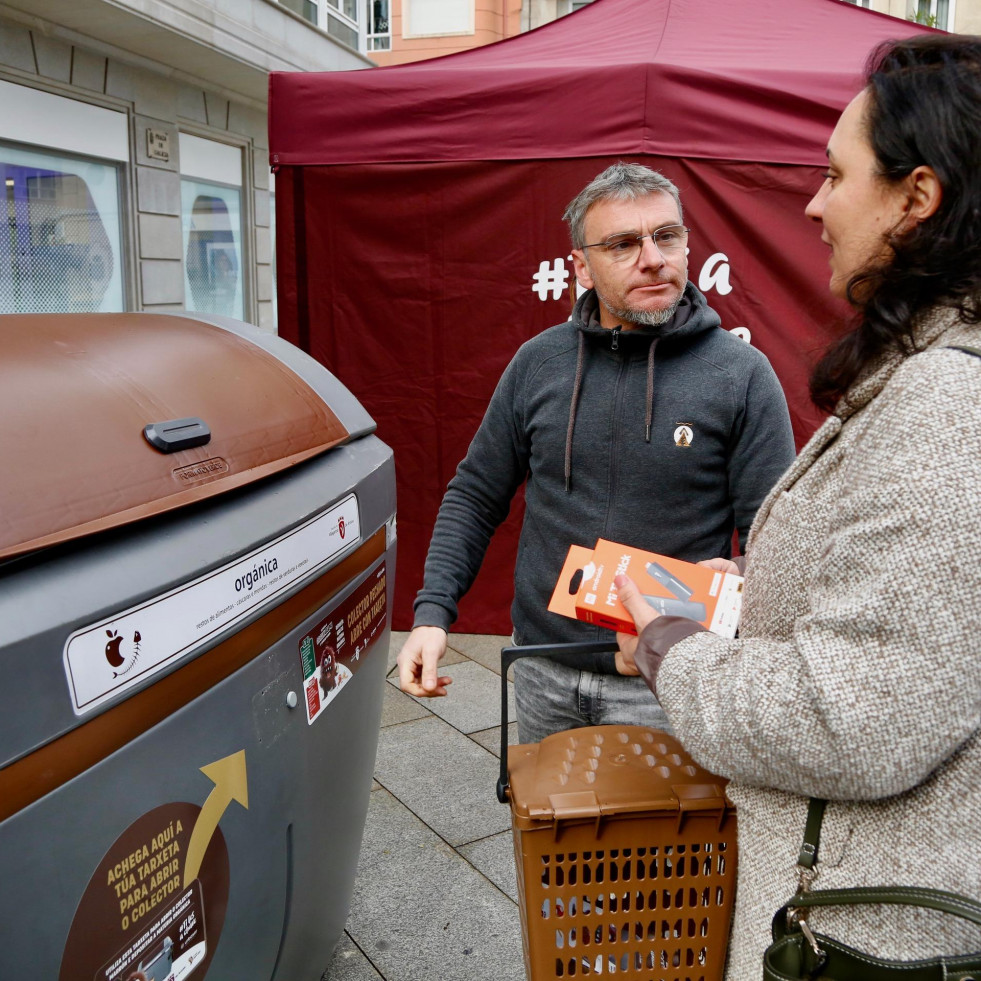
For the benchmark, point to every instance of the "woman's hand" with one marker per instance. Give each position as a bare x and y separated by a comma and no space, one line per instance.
721,565
641,612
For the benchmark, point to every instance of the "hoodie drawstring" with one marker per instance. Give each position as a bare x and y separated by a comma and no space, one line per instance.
576,386
650,391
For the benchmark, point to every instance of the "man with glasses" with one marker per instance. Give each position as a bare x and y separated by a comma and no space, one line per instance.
639,421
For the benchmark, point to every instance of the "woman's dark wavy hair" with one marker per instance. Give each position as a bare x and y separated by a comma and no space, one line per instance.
924,107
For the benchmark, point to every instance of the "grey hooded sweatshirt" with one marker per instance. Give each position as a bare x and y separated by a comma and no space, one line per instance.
597,422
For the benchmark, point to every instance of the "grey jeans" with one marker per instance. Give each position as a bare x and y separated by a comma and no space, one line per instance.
551,697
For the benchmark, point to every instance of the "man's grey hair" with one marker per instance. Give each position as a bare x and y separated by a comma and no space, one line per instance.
620,182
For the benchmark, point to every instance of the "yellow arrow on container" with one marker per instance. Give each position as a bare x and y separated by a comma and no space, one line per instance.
231,783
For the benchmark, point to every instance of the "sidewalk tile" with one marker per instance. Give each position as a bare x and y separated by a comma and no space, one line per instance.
494,857
452,657
483,648
395,645
398,707
443,777
350,964
420,912
490,739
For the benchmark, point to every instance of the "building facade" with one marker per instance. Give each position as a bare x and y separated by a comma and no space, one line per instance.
959,16
410,30
133,149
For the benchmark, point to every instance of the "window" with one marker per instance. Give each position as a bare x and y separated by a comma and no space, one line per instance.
61,252
933,13
337,27
379,36
61,248
307,9
211,222
431,18
348,8
563,7
860,3
339,18
212,248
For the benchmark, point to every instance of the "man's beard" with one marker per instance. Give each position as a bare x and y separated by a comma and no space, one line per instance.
645,318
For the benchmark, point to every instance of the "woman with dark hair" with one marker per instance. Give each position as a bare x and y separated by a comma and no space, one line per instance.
856,676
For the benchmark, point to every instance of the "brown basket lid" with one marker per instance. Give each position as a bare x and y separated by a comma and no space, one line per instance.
78,390
600,771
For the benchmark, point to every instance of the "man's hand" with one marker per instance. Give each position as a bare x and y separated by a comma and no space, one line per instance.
642,613
418,659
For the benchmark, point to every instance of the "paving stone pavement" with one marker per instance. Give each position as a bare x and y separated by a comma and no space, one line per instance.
435,898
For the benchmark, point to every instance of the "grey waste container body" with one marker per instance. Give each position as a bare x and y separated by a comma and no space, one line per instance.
184,797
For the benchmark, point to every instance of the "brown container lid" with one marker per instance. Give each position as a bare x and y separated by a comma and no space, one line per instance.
77,391
603,771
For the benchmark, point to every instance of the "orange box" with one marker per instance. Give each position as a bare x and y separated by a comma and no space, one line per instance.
566,590
585,590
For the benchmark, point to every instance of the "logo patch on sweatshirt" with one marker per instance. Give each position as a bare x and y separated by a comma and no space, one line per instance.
683,435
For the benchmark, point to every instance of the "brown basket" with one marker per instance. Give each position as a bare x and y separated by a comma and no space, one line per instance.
626,857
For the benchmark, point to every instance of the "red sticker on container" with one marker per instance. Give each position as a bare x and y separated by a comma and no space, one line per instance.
330,654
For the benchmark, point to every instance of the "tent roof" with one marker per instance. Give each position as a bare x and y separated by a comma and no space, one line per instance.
757,81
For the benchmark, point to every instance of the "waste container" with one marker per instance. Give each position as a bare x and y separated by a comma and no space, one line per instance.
197,556
625,850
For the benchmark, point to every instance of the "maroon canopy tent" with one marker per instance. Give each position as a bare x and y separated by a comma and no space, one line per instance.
419,239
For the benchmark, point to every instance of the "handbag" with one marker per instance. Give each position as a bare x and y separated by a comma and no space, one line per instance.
798,953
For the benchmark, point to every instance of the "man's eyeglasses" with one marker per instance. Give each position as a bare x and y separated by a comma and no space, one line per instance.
670,241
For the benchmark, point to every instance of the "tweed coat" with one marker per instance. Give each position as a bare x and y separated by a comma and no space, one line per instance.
857,673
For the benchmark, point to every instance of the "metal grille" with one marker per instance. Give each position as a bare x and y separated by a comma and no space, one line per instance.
56,255
212,258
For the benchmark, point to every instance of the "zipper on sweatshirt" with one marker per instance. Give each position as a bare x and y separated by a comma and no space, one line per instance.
615,339
619,390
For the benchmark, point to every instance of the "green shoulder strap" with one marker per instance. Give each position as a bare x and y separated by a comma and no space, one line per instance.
806,897
808,856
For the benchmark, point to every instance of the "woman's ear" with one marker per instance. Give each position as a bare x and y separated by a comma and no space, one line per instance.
925,193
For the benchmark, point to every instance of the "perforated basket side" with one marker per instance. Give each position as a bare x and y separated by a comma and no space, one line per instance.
643,901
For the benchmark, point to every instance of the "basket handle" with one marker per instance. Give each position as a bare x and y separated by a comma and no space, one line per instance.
570,654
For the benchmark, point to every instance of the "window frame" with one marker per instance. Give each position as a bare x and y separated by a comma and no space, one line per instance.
124,159
247,191
407,20
372,36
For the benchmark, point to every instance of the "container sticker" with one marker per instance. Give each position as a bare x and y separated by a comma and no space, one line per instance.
140,917
107,658
169,949
331,653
